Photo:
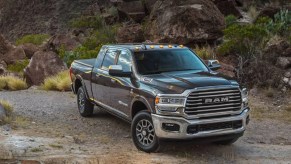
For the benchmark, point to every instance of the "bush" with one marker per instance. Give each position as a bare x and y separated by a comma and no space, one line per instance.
7,107
205,53
230,20
281,24
12,83
59,82
94,22
18,66
36,39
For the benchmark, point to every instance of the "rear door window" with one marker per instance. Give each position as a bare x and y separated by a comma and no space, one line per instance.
109,59
125,61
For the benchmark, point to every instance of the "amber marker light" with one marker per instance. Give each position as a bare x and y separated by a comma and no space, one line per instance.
181,46
157,100
152,47
161,46
170,46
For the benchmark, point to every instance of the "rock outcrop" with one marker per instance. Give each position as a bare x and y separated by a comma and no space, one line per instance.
130,34
14,55
228,7
185,22
30,49
68,42
43,64
133,9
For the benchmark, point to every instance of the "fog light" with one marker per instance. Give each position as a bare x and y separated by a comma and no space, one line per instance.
171,127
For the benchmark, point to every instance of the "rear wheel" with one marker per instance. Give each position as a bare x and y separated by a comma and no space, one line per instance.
84,105
143,133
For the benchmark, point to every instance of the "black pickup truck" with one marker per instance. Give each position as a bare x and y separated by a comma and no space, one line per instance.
164,91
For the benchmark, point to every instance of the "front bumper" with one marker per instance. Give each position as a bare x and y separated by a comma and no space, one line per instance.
183,123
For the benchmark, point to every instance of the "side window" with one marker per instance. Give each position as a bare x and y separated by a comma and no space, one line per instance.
109,59
125,61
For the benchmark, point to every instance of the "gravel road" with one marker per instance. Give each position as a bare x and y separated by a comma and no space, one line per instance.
57,134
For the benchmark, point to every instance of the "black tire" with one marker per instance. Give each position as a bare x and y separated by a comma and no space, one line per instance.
143,133
227,142
84,105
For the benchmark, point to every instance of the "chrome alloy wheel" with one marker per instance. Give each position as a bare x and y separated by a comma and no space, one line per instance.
81,102
145,132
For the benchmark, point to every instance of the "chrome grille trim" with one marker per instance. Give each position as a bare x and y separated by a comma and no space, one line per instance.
196,106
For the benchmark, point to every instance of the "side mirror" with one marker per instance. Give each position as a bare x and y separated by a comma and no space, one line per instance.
214,64
116,70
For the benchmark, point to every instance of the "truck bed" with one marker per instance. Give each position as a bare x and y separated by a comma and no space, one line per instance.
86,62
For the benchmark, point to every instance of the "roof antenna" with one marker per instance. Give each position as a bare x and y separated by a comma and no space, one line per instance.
144,46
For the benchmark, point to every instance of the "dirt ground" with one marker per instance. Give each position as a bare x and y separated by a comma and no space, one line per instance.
54,132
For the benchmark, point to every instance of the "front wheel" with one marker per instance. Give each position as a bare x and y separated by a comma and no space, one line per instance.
143,133
85,106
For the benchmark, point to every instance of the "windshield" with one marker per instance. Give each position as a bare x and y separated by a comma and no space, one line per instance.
159,61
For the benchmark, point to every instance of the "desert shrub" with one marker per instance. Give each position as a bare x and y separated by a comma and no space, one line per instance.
36,39
59,82
205,52
253,12
12,83
7,107
230,20
18,66
281,23
94,22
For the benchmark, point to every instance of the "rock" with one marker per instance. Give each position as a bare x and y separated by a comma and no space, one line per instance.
269,11
29,49
5,154
285,80
14,55
227,7
149,4
92,10
227,69
185,22
130,34
43,64
133,9
276,47
284,62
68,42
5,46
109,19
3,67
288,74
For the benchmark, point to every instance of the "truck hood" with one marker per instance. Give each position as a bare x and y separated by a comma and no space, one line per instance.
176,83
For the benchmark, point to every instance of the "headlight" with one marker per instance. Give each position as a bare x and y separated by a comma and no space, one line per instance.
170,104
244,94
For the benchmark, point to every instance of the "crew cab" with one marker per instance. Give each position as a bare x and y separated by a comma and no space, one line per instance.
164,91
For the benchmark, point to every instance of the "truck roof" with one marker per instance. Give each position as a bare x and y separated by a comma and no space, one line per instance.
147,46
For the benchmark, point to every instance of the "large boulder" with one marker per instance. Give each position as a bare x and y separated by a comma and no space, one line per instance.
133,9
228,7
43,64
275,48
185,22
5,46
14,55
29,49
68,42
130,34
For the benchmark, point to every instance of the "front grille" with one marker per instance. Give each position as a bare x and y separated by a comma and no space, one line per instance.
213,102
214,126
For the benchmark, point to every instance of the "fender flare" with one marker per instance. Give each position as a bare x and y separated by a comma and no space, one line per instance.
144,101
78,77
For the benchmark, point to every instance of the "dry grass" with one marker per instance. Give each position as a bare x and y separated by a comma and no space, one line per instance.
205,53
36,149
12,83
56,146
59,82
253,12
7,106
270,92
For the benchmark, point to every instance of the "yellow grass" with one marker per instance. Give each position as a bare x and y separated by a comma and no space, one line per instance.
59,82
6,105
12,83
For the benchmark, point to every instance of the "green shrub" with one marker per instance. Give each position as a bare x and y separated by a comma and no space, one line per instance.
12,83
230,20
59,82
36,39
281,23
94,22
18,66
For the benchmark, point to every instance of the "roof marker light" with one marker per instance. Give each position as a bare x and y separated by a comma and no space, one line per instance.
152,47
170,46
161,46
181,46
136,48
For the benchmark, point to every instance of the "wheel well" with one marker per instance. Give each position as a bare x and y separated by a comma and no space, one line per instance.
137,107
78,84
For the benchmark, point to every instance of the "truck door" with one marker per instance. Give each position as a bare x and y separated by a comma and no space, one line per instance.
121,86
